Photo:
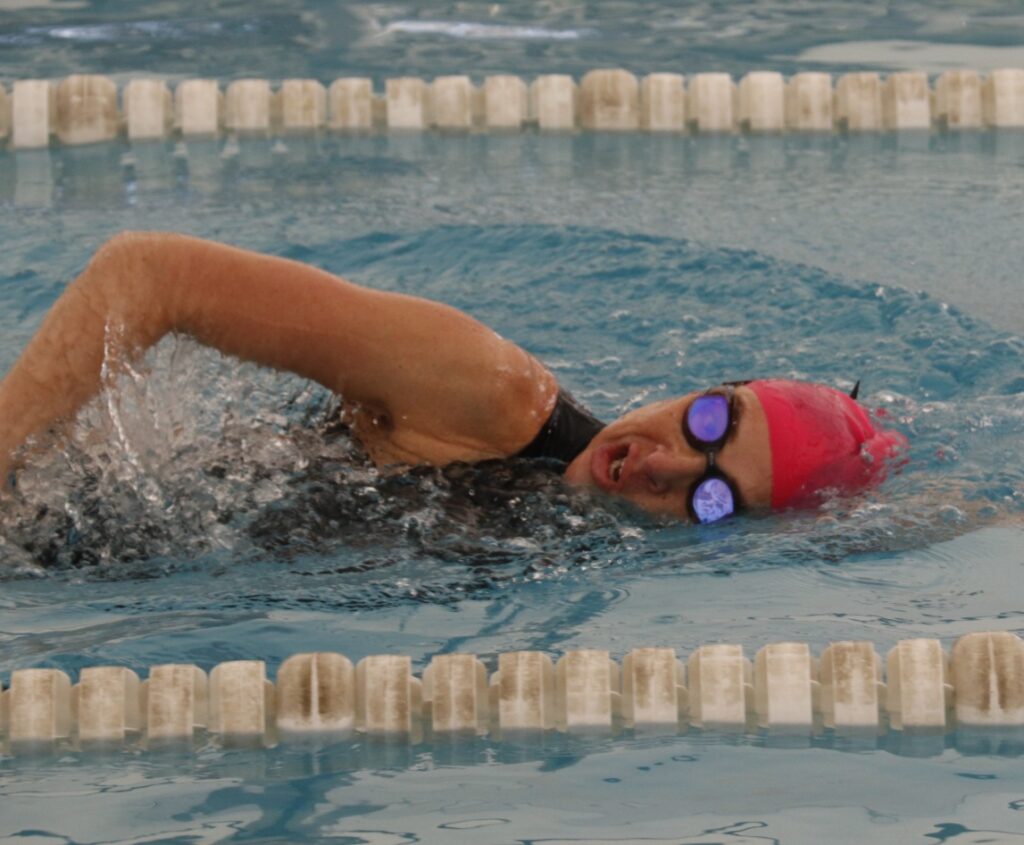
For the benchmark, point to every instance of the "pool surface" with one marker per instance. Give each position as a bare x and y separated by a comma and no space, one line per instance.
212,524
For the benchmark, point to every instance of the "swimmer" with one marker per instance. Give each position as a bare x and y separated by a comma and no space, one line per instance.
425,384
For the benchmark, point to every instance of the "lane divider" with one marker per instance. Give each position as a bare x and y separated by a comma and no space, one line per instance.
87,109
784,690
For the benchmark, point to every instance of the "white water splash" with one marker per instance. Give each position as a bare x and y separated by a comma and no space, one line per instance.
482,31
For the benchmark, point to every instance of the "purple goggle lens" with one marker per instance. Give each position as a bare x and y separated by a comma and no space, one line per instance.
713,500
708,418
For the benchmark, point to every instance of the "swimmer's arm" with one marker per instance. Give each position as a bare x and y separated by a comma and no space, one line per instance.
451,388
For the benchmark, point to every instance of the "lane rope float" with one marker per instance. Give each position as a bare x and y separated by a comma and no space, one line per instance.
785,689
89,109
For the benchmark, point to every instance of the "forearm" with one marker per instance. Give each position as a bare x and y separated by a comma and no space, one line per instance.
109,310
137,288
260,308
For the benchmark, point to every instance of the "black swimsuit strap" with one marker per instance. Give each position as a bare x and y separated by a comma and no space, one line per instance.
568,431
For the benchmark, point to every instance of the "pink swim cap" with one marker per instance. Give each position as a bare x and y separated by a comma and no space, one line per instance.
821,439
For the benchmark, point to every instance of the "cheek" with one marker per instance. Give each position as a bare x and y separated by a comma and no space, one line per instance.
754,477
578,473
672,505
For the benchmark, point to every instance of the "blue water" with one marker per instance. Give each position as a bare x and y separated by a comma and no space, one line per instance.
330,38
636,268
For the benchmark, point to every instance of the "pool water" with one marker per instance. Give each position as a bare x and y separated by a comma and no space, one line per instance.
213,522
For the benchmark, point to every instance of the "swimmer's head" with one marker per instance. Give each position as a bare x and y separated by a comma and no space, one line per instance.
821,441
788,443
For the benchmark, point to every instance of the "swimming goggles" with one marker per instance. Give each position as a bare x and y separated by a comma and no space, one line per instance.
708,422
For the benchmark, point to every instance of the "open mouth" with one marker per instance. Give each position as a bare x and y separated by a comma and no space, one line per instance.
615,468
610,466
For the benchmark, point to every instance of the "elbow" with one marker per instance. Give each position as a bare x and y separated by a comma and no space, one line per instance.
117,261
122,252
119,283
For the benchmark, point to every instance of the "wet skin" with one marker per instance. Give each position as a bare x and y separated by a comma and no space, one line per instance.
660,465
449,388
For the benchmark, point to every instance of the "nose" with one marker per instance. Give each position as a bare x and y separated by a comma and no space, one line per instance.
672,469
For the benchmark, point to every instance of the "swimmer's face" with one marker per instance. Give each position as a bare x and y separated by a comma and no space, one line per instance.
644,456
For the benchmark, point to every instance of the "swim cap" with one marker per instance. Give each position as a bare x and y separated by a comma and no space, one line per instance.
821,439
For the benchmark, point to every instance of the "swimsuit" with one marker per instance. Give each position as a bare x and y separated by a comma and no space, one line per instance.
568,431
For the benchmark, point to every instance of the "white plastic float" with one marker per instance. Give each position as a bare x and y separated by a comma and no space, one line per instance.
663,102
610,100
721,694
958,100
553,100
712,104
654,697
406,100
988,680
300,106
198,108
785,687
979,685
1002,97
389,699
38,708
919,694
148,109
809,103
174,703
106,707
851,690
906,101
84,109
247,107
588,692
456,695
762,102
506,102
522,694
450,103
316,694
350,105
858,102
33,113
87,110
241,702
